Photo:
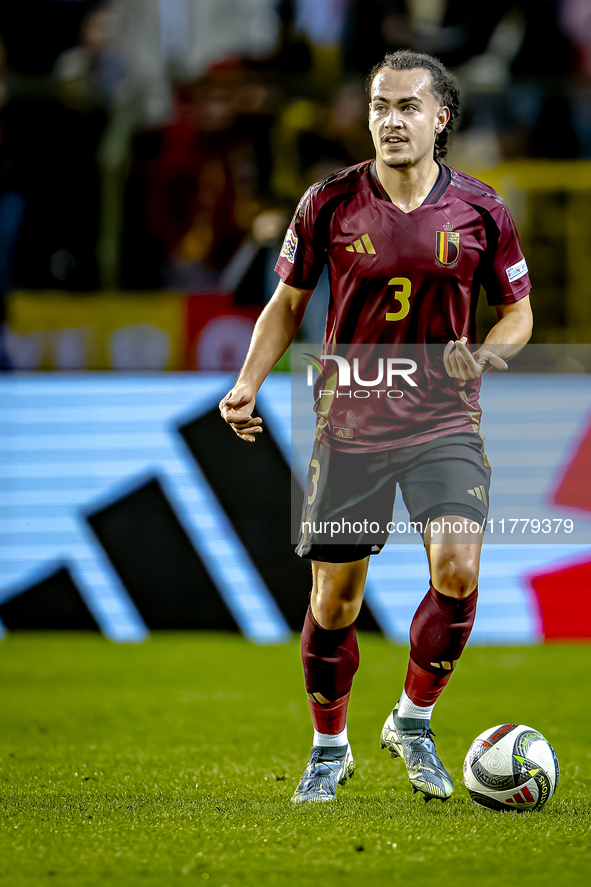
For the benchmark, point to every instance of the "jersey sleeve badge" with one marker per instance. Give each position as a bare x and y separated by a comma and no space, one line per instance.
516,271
290,245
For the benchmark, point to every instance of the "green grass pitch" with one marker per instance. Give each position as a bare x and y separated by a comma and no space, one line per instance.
173,762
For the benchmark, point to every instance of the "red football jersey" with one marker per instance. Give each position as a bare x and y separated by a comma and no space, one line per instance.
401,278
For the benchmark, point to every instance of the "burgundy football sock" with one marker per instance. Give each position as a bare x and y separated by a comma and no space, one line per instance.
438,635
330,658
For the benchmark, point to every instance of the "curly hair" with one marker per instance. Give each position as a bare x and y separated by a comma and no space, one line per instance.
443,86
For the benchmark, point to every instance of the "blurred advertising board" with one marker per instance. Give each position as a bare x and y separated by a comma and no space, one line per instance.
218,332
52,330
88,331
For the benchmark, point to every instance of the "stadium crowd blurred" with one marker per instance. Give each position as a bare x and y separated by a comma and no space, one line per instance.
150,144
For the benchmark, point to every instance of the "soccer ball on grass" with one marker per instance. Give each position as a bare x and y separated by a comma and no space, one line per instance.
511,767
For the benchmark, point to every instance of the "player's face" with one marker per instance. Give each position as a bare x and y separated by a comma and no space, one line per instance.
404,117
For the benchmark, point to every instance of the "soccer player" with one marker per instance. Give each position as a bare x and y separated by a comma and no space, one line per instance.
408,243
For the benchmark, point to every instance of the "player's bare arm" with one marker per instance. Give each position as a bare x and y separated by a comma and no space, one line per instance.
506,339
273,334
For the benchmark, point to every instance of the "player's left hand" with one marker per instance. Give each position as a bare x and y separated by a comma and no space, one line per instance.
461,364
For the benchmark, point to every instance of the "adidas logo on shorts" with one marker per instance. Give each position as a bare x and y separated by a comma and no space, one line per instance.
479,493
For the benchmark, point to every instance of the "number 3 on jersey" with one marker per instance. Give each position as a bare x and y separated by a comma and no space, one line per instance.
402,295
315,467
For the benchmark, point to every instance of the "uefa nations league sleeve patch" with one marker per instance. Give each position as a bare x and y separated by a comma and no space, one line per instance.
517,271
290,245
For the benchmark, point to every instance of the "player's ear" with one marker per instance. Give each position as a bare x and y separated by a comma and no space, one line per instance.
443,116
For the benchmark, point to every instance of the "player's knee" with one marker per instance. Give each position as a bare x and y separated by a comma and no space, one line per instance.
337,592
334,611
456,577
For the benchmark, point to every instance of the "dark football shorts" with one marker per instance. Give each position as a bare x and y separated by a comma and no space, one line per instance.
349,497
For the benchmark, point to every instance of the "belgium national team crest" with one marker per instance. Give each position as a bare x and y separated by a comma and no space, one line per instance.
447,247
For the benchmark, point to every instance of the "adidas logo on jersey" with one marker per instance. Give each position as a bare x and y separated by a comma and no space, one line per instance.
363,245
479,492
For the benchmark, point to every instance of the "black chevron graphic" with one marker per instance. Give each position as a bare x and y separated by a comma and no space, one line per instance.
258,492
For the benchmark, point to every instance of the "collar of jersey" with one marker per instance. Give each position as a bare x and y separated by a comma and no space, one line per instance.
434,194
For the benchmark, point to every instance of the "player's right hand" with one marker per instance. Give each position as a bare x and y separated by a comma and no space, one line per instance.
236,409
